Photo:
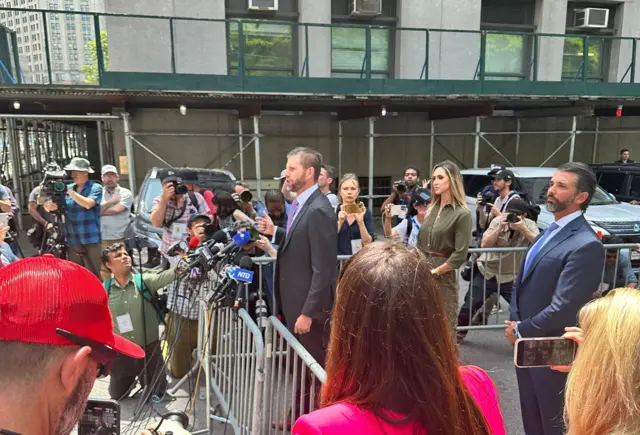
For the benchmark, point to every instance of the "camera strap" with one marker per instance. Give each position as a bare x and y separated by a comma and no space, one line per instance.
194,201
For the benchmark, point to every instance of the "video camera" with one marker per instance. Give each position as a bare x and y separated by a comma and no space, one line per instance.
54,185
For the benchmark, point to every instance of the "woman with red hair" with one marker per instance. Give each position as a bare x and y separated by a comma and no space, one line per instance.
392,366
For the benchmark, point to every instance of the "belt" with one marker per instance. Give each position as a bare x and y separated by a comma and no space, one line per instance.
437,254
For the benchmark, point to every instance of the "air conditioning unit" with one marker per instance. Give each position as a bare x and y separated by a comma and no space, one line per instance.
595,18
263,5
365,8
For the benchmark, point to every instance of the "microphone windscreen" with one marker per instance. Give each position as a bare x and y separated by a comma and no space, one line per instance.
246,262
221,237
242,238
194,242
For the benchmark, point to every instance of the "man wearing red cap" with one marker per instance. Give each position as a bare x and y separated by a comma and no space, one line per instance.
56,338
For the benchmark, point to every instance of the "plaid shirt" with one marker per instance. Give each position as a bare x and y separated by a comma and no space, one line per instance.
182,298
176,232
83,226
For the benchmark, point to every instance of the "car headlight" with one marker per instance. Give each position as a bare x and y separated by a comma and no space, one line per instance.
598,229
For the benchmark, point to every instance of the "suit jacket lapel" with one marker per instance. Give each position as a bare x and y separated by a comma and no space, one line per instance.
301,213
564,233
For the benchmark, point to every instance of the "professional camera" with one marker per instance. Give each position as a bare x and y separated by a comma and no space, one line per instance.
246,196
488,197
401,186
180,188
512,218
54,185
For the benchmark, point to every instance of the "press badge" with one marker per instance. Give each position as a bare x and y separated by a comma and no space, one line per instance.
124,323
356,245
179,231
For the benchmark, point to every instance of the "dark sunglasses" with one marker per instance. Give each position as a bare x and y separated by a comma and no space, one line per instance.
104,355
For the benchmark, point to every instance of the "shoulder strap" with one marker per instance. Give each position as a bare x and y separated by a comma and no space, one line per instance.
107,285
142,288
409,226
194,200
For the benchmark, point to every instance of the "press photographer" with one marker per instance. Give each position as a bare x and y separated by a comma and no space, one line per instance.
516,227
80,205
243,197
402,189
136,315
172,209
492,203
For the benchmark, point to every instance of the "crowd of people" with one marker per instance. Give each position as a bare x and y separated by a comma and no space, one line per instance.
384,324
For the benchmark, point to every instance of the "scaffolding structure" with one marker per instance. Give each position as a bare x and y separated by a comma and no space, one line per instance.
48,137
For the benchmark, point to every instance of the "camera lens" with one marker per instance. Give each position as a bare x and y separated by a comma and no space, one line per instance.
512,218
401,187
181,189
59,186
246,196
488,197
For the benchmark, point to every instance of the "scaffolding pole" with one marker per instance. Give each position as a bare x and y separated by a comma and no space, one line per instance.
476,146
339,150
150,151
572,145
371,152
100,143
129,149
432,143
14,152
517,141
595,141
241,140
256,132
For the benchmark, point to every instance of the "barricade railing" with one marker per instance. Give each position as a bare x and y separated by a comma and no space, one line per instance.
292,379
235,370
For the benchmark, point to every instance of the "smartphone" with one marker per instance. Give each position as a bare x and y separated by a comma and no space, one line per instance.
351,208
544,352
398,210
4,220
100,417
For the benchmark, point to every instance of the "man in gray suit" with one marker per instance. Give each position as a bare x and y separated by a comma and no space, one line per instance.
306,267
559,274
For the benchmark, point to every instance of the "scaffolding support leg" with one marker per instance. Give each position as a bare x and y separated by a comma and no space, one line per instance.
14,152
432,143
595,141
101,143
256,131
339,150
241,140
129,149
517,157
372,121
572,145
476,147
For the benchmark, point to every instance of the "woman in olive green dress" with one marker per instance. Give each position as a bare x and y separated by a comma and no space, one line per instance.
445,233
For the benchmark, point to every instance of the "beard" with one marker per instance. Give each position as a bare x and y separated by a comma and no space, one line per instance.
296,185
557,206
73,409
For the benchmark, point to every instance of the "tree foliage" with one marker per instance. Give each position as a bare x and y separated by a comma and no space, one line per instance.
91,70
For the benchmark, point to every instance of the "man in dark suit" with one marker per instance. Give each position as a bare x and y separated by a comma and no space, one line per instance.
559,274
306,267
624,157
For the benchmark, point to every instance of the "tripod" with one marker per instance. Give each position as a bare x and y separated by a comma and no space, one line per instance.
53,240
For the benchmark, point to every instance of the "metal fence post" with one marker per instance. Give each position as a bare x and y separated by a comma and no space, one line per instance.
47,54
129,149
99,52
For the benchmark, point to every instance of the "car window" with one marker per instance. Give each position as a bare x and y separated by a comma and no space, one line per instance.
473,184
612,182
635,186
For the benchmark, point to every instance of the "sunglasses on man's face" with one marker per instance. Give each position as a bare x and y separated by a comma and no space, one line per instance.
104,355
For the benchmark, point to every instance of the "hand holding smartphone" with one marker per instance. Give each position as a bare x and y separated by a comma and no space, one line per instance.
544,352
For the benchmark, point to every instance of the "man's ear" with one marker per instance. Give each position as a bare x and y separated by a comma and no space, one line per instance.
73,368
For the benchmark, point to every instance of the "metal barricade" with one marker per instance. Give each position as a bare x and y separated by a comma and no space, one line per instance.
482,295
236,370
292,379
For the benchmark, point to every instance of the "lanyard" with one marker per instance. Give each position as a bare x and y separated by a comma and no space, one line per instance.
415,223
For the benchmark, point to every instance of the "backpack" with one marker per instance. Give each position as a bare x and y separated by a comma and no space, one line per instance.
155,301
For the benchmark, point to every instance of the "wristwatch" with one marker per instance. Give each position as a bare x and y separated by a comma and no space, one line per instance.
515,331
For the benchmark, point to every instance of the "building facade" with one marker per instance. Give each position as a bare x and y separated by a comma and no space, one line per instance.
69,37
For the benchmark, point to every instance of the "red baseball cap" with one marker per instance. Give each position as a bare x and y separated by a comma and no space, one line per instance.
50,301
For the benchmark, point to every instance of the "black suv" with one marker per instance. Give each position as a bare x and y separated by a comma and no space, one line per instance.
622,181
140,226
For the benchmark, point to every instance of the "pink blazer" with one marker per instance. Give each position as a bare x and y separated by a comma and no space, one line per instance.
344,418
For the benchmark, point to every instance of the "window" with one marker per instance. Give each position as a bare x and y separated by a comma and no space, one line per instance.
612,182
505,56
71,27
635,187
268,49
348,50
573,56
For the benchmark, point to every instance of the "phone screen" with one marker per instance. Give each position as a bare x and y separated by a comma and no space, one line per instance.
544,352
100,417
255,234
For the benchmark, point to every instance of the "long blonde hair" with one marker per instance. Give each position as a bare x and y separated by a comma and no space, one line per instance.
602,394
348,177
458,196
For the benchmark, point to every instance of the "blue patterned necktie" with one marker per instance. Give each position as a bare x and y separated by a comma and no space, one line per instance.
536,248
